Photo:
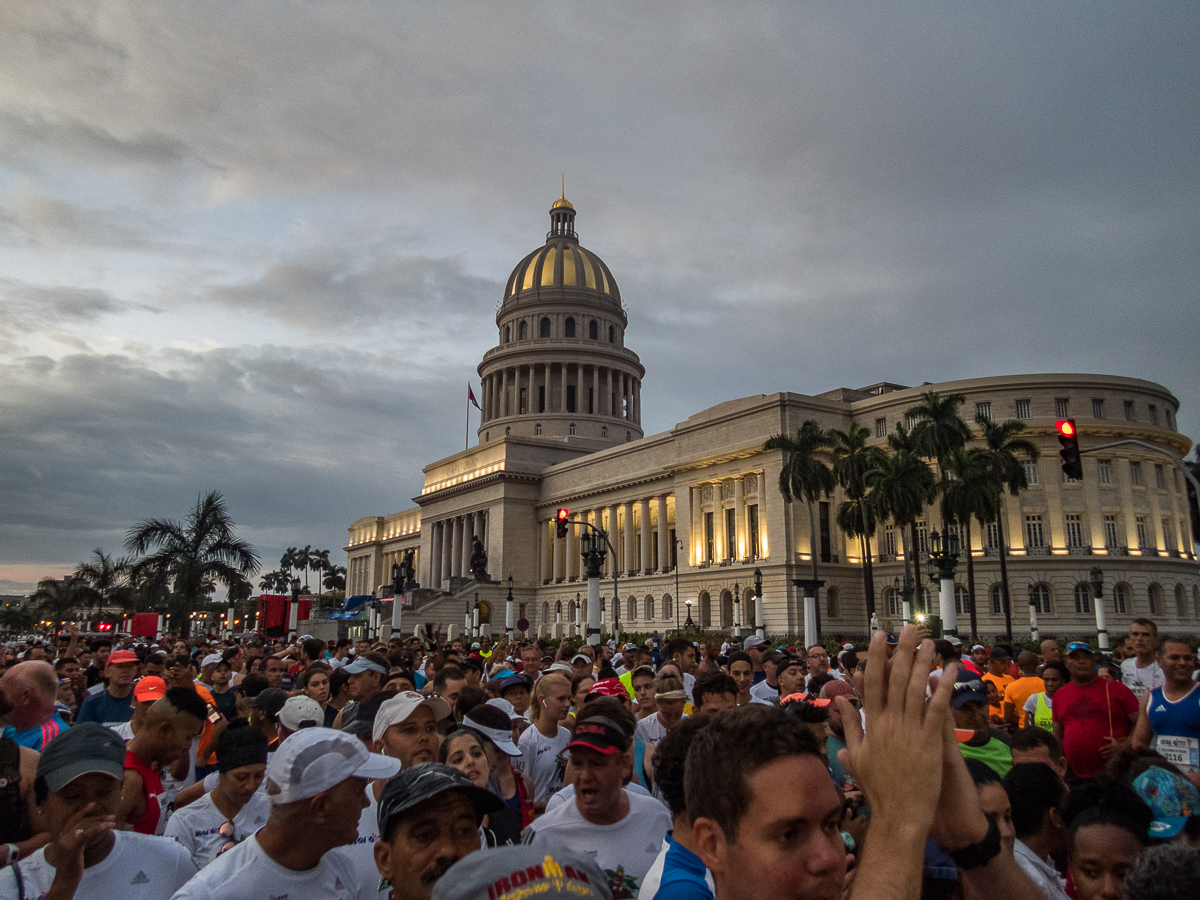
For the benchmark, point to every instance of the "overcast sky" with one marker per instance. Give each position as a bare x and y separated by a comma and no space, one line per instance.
257,248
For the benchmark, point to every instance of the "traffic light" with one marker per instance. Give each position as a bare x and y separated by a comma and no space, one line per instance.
1072,466
561,521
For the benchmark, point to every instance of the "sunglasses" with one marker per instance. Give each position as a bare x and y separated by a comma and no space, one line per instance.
1071,647
228,832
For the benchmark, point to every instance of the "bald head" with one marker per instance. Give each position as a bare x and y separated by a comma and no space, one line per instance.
29,689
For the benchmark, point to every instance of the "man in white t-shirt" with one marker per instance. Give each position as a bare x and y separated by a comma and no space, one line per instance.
1141,672
81,772
620,830
316,784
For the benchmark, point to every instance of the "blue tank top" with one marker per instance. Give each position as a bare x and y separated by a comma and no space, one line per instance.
639,756
1176,727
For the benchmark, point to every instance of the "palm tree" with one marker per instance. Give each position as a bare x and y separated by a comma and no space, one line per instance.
804,476
939,428
319,561
852,459
969,493
57,599
274,581
335,578
302,561
901,486
104,581
197,553
1003,451
289,561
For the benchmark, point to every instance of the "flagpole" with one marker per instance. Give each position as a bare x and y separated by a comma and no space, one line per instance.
467,430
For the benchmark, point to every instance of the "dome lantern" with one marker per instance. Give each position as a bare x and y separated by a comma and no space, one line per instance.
562,221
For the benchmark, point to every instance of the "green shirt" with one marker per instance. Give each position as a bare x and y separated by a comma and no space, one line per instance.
994,753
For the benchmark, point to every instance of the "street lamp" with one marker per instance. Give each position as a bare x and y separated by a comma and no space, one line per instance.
294,613
508,611
1097,576
737,611
398,583
689,623
760,623
942,560
678,548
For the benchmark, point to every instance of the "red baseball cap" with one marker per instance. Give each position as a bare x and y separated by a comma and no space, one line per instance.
609,687
149,688
122,658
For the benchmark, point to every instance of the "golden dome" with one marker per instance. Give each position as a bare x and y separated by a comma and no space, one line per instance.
562,263
562,203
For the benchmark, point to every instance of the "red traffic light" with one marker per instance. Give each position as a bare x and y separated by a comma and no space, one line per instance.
563,515
1066,427
562,520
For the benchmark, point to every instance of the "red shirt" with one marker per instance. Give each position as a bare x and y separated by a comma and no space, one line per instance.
152,789
1090,714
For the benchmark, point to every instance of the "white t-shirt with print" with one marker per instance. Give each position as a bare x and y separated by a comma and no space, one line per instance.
652,730
360,856
765,694
197,826
139,867
247,873
1141,681
540,760
631,844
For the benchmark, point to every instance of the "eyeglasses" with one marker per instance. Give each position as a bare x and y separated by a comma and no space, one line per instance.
1077,646
228,832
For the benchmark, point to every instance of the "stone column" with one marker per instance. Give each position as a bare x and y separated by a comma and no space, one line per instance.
645,566
571,550
664,533
739,506
637,402
718,514
595,410
562,376
698,547
468,540
481,529
456,551
614,538
628,563
543,565
435,562
447,550
502,400
608,396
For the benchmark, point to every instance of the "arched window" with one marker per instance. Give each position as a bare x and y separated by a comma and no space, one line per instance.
833,603
603,431
962,600
649,606
611,333
569,327
522,331
545,612
1083,599
997,600
1180,601
891,599
666,606
487,436
1155,599
632,606
507,431
705,610
544,327
507,333
537,429
593,330
628,436
1039,596
571,428
923,603
1121,598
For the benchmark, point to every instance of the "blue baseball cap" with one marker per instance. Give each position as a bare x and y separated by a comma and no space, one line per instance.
1172,799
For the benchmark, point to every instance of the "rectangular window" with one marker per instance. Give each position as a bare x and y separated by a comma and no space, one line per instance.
991,535
922,538
1062,406
523,406
570,398
1023,409
1035,537
1110,532
1074,530
1031,470
1167,534
910,421
1104,470
708,537
674,548
1130,415
1097,408
1135,474
881,427
752,525
1170,416
731,547
823,522
1175,478
1139,524
1067,479
1160,476
983,410
541,398
889,540
591,401
1153,414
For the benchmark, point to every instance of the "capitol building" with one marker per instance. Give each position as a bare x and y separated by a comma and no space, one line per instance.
692,512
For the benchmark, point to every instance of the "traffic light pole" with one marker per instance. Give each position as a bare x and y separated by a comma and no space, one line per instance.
593,553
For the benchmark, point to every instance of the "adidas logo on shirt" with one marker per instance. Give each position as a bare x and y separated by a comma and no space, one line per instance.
140,878
1160,708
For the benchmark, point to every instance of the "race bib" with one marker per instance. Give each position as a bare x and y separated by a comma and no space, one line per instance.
1181,751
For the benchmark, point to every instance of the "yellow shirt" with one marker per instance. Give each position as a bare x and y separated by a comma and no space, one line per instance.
1002,682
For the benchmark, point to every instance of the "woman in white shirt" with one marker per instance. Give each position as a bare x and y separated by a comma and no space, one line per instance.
542,745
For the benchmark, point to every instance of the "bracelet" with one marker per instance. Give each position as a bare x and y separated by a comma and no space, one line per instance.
981,853
14,853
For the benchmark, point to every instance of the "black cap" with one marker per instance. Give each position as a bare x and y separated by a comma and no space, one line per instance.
418,783
513,681
82,750
269,701
998,653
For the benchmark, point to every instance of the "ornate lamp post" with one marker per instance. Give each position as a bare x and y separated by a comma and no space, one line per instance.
1097,576
689,623
760,623
679,547
1033,626
508,612
942,560
905,591
294,611
737,611
397,595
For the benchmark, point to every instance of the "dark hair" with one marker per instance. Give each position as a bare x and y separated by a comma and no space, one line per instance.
816,682
240,744
676,645
850,660
96,645
313,649
713,683
577,680
1032,737
180,660
469,698
444,751
1106,802
187,701
981,773
670,758
740,656
154,659
338,679
1033,790
490,717
1146,623
946,650
1168,872
721,760
447,673
610,708
252,685
1058,667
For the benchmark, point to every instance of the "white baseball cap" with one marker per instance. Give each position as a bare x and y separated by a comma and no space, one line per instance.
503,705
313,760
211,660
400,707
298,710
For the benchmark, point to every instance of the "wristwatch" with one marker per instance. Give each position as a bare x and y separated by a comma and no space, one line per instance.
981,853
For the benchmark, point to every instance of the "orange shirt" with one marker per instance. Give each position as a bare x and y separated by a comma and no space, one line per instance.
206,754
1020,691
1002,682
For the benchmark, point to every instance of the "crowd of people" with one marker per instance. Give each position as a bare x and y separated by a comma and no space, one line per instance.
666,770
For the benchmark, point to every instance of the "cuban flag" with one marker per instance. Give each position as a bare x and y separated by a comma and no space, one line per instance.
471,397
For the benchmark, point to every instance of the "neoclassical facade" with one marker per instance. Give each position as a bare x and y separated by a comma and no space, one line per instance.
693,511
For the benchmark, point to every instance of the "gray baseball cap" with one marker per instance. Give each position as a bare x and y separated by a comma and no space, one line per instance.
513,872
82,750
418,783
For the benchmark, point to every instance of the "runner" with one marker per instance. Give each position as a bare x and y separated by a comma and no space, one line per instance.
464,751
112,706
642,679
79,779
1039,708
406,728
1169,716
543,745
715,692
741,669
171,725
970,707
1022,689
1092,716
1038,794
1141,672
669,698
